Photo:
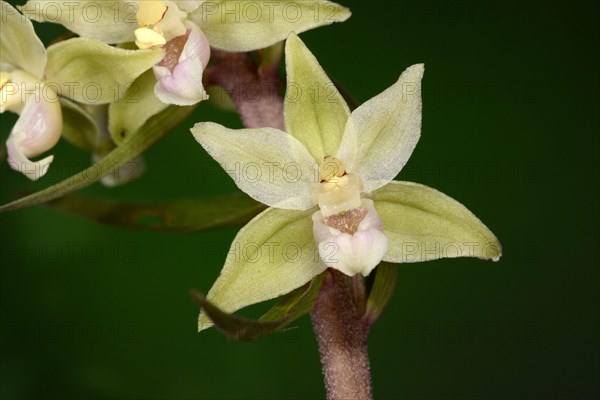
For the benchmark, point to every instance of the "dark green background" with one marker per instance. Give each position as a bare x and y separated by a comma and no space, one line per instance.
510,129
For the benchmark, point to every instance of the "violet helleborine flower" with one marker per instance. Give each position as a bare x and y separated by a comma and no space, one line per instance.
33,79
329,184
184,29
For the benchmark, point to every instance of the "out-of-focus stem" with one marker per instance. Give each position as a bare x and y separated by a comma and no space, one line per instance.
254,91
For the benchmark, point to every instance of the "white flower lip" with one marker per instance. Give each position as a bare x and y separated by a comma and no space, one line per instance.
352,253
179,78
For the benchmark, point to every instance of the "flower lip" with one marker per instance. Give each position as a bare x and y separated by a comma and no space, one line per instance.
351,241
179,73
346,221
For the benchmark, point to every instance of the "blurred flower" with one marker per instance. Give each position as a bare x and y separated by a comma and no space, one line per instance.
33,80
179,73
184,28
343,163
23,91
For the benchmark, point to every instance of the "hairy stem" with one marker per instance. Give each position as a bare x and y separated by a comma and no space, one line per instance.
342,336
255,91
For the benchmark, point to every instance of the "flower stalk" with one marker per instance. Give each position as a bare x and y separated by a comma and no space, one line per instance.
342,333
254,91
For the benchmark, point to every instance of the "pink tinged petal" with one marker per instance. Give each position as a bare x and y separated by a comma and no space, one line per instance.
37,130
179,74
356,253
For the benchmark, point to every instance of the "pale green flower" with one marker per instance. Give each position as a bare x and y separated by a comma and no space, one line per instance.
185,29
33,80
329,183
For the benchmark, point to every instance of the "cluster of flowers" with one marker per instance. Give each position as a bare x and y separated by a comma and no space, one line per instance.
353,215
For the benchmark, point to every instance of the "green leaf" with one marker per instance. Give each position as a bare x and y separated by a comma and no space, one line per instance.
188,215
381,291
79,127
272,255
92,72
315,111
135,108
157,127
256,25
287,310
19,45
111,21
423,224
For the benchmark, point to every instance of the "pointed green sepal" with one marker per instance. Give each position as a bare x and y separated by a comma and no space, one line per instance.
92,72
240,25
108,21
315,111
422,224
20,47
382,133
272,255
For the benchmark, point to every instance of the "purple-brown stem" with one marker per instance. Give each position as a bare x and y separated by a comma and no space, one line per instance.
342,336
254,91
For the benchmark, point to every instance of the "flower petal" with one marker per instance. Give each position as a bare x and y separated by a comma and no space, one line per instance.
382,133
92,72
423,224
272,255
19,45
266,163
37,130
108,21
240,25
180,81
315,112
